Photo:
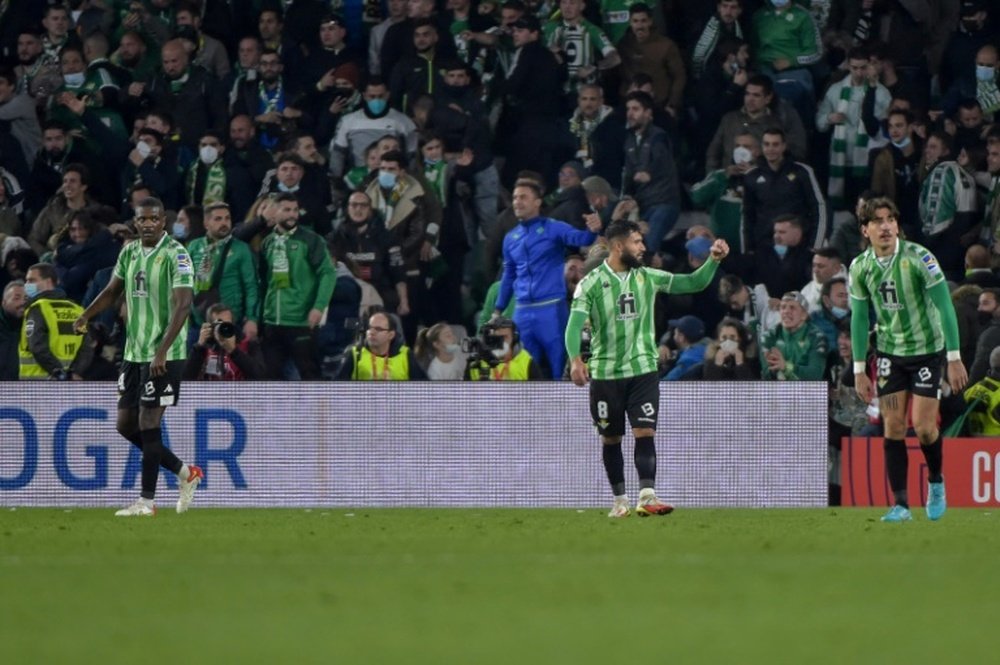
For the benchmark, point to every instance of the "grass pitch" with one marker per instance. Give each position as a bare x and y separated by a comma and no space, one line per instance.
497,586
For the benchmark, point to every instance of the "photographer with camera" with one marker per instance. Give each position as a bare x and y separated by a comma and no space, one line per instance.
222,353
492,355
382,355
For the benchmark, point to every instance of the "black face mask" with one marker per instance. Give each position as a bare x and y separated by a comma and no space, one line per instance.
984,317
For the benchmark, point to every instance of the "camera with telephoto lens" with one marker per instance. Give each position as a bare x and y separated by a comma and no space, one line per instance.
224,329
480,349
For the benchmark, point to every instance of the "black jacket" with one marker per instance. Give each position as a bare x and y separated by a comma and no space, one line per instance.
200,104
767,194
652,155
38,341
534,89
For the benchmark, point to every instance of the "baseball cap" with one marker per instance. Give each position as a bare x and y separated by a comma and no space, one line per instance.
691,326
699,247
796,296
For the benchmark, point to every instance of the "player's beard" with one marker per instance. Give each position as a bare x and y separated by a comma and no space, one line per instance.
631,261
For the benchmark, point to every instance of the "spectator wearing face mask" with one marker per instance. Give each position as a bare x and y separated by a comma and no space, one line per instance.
732,355
509,361
214,178
834,309
439,351
721,192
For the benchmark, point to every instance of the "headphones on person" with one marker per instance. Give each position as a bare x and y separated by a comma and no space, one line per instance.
504,322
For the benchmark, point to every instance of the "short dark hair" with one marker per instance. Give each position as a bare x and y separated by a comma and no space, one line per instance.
212,207
644,99
79,169
907,115
290,157
762,81
858,53
640,8
286,197
788,218
623,228
943,137
374,80
828,285
152,202
829,253
530,184
55,124
218,308
427,22
46,271
775,131
394,156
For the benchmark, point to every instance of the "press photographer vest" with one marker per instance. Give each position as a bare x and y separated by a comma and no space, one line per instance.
59,316
515,370
370,367
983,419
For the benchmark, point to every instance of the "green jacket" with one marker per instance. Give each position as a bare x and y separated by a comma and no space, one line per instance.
238,285
724,204
804,351
311,277
791,34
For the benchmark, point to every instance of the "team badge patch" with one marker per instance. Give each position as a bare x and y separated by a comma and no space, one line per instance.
184,266
931,264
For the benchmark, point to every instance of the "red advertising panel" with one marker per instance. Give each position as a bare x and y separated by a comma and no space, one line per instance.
971,470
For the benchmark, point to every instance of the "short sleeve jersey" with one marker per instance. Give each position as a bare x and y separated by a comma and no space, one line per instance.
150,276
620,308
907,323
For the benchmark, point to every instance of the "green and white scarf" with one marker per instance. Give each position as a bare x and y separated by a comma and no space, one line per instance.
177,84
947,191
387,206
215,184
281,275
437,176
582,128
988,96
848,149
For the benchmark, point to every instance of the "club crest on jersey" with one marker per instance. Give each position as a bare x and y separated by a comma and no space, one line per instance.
184,266
931,264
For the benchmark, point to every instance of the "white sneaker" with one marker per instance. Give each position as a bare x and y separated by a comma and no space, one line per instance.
648,504
620,508
141,508
187,487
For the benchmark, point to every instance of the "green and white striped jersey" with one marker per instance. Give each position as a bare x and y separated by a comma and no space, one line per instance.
907,323
150,276
620,309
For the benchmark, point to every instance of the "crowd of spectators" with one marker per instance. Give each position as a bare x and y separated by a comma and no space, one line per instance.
327,160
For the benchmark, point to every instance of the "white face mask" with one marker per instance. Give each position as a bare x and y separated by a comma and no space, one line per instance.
742,155
208,154
74,80
502,352
453,347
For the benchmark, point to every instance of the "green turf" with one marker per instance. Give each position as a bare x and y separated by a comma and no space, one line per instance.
497,586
